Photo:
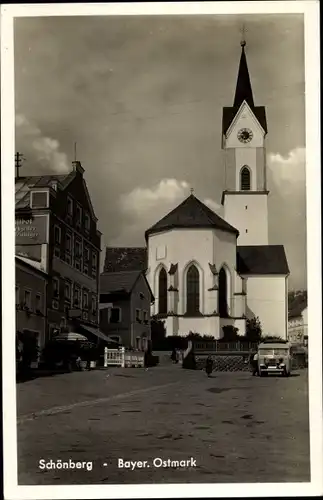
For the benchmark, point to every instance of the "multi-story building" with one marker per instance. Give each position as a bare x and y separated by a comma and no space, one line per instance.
31,289
297,324
125,302
56,226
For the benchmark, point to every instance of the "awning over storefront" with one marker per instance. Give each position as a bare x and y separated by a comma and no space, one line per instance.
99,334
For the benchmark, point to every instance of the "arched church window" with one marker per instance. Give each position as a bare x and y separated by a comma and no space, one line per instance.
162,291
223,291
245,179
193,290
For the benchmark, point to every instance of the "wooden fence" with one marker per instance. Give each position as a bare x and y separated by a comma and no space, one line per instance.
123,358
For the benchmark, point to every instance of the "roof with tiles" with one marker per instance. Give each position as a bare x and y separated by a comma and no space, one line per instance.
23,185
191,213
262,259
125,259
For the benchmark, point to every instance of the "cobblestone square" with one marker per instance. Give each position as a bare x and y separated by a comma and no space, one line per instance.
237,428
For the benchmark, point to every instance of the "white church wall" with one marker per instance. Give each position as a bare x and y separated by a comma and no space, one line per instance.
224,249
248,213
266,298
182,247
246,157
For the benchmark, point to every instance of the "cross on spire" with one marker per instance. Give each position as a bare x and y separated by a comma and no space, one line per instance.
243,36
243,88
18,160
192,190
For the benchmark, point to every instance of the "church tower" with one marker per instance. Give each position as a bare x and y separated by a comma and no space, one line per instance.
244,129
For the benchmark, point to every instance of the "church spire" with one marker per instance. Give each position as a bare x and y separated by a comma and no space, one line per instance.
243,88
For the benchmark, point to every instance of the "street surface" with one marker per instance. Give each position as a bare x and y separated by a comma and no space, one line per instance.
237,428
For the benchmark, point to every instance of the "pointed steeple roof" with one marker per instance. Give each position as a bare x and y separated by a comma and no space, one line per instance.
243,93
191,214
243,88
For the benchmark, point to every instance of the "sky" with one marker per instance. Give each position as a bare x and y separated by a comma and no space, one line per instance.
142,97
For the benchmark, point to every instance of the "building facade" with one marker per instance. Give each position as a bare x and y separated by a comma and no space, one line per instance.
56,226
125,302
31,291
298,326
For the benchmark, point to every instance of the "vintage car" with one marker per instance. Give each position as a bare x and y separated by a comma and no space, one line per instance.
274,357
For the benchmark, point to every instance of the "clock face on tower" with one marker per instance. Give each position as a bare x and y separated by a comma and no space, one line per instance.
245,135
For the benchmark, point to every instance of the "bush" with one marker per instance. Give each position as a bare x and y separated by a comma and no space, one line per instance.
230,334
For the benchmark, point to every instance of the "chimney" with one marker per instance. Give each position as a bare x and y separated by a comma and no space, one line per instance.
77,167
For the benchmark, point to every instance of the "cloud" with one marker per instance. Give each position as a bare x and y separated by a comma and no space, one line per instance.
289,168
143,207
41,152
287,210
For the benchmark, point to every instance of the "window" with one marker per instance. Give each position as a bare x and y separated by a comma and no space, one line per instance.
78,253
138,343
17,294
55,287
86,253
94,305
39,199
138,315
68,243
68,291
193,290
69,206
78,249
57,241
162,291
145,316
77,296
38,302
27,299
87,222
85,300
115,315
245,179
68,248
78,215
223,294
94,263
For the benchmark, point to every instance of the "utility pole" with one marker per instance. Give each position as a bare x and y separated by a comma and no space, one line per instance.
18,160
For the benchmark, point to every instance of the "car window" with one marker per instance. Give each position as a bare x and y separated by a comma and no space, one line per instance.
264,352
280,352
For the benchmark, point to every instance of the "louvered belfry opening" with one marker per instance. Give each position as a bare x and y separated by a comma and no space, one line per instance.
162,291
245,179
193,290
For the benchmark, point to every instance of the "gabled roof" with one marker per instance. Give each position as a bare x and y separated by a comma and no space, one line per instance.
23,185
122,282
262,259
125,259
230,112
191,213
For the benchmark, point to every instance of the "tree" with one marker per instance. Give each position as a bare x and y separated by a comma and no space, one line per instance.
230,334
253,329
158,333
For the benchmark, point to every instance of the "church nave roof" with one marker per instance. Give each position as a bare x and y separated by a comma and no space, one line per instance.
191,213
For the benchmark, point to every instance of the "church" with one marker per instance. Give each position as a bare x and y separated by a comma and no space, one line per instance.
207,271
